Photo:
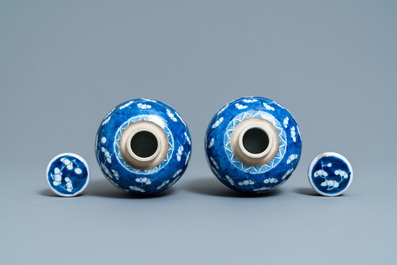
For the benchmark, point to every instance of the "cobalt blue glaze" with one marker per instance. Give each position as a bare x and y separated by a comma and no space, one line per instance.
330,174
237,175
67,174
131,179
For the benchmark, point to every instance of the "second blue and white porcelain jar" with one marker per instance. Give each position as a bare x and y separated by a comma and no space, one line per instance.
253,144
143,146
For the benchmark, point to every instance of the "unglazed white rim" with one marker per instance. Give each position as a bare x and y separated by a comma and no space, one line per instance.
48,171
337,155
241,152
143,163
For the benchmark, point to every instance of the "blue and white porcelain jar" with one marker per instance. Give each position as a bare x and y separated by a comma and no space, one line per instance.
253,144
143,146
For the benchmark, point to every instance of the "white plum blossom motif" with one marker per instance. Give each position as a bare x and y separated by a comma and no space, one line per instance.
126,104
136,189
230,180
287,173
57,177
341,173
103,140
69,185
320,173
250,100
78,171
211,144
214,162
285,122
67,163
115,174
270,180
187,138
187,158
107,155
246,183
267,106
106,171
143,180
217,123
239,106
293,134
171,115
106,120
179,154
292,158
108,174
330,184
143,106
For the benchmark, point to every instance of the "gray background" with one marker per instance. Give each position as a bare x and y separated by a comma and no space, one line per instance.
64,65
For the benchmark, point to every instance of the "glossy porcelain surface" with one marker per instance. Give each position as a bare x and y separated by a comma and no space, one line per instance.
330,174
67,174
131,179
231,171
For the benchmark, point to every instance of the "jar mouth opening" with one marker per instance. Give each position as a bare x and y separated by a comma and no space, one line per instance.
255,141
143,145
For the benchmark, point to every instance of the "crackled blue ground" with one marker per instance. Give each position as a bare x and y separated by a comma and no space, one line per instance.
67,174
330,174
